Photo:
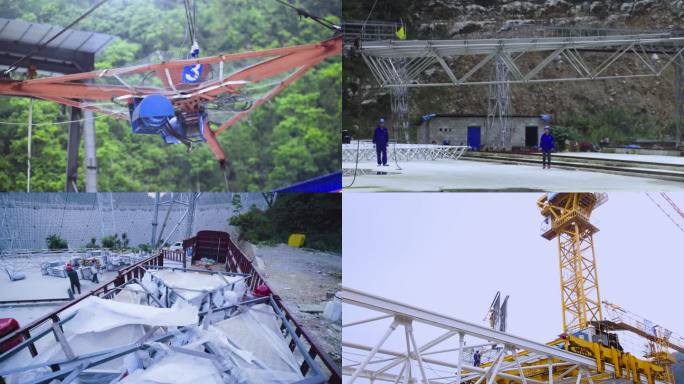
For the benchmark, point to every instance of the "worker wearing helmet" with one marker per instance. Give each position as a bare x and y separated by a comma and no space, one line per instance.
547,145
380,139
73,279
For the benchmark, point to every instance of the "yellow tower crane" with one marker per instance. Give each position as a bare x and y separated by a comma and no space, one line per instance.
659,340
566,217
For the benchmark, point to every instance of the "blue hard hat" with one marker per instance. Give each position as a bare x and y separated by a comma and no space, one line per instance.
382,120
547,127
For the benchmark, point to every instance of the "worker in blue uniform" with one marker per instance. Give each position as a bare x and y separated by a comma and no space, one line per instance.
547,145
380,139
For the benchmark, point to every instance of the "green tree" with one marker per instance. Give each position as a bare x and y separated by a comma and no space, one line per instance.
109,242
236,203
92,244
54,242
317,215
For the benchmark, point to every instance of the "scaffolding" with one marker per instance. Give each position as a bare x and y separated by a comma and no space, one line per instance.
27,219
369,30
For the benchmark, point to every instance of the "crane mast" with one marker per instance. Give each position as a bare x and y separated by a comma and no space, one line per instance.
566,217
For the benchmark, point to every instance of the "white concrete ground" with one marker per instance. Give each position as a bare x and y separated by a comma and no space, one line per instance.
37,286
677,160
440,175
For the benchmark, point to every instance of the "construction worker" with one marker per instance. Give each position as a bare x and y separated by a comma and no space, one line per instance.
380,139
93,270
73,279
476,358
547,145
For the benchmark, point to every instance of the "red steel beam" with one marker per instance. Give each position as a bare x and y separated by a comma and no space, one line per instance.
335,43
299,73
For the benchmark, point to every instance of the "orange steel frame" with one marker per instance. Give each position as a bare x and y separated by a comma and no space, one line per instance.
68,89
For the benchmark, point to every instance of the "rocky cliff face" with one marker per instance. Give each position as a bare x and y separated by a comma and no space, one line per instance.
651,101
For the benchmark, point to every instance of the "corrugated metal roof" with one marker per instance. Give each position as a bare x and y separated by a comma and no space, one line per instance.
20,31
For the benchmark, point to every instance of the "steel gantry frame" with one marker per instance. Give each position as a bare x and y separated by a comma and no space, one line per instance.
526,60
566,217
282,65
575,51
515,359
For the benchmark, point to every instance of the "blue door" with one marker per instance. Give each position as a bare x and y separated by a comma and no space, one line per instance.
474,138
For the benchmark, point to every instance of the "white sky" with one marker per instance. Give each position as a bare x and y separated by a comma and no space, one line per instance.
451,252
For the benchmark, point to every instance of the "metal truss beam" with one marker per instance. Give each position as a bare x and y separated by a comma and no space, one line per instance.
654,53
403,152
512,358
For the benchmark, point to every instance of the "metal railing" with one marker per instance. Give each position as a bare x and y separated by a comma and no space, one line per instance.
134,271
369,30
237,262
177,256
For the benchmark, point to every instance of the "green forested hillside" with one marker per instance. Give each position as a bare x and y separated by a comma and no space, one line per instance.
291,138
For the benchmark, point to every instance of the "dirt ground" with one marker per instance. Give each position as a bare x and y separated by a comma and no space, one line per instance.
302,277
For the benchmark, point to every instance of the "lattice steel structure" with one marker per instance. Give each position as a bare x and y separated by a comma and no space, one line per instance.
658,339
498,128
566,217
402,152
556,55
428,347
400,112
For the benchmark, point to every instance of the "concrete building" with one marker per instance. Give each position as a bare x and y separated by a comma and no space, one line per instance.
471,130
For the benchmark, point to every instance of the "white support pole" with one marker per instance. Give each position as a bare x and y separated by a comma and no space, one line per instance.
365,321
30,139
90,151
567,371
61,339
401,373
461,345
517,363
372,353
425,347
494,370
579,377
550,370
408,358
417,350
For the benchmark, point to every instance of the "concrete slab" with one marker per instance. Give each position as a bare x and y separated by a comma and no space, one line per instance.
37,286
464,175
677,160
